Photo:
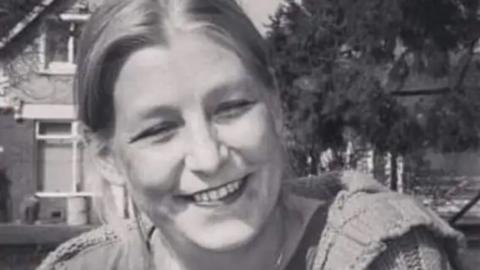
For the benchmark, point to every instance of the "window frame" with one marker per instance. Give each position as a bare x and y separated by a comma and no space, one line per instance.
4,81
60,67
74,142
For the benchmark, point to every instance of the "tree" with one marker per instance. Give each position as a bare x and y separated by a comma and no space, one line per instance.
345,64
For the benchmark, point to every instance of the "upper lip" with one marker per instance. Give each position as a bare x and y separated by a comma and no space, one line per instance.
212,188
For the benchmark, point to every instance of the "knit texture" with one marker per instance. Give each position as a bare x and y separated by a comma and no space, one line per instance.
366,221
367,227
415,250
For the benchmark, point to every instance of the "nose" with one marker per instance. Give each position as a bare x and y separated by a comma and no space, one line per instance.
206,154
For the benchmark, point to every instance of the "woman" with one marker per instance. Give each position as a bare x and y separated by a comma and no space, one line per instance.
180,107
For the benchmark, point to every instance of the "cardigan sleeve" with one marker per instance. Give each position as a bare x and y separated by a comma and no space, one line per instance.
417,249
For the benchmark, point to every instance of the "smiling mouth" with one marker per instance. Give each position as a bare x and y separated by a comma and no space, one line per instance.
221,194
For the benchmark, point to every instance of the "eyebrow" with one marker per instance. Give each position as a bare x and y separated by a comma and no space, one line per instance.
229,87
225,88
158,110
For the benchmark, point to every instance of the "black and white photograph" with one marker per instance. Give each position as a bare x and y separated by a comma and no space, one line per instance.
239,134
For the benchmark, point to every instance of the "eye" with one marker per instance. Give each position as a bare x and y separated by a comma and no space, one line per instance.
160,133
233,108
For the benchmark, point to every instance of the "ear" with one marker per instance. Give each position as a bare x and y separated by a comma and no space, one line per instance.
101,154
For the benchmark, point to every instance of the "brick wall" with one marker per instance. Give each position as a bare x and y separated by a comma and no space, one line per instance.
17,159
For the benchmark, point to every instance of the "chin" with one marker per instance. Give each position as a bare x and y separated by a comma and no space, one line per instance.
241,227
224,237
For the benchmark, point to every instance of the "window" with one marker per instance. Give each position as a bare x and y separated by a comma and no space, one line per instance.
60,174
3,81
59,157
59,42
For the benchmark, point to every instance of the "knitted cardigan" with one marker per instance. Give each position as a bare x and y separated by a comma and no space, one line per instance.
367,227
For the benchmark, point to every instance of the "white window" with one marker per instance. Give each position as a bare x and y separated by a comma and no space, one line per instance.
60,173
59,42
59,157
3,81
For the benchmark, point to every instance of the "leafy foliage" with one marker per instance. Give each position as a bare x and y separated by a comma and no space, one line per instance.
342,63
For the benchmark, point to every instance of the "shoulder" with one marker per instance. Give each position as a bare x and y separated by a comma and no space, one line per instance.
363,217
101,242
383,213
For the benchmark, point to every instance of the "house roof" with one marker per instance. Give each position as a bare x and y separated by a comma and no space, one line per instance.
15,22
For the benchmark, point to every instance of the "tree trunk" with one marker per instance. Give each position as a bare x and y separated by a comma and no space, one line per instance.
314,160
393,172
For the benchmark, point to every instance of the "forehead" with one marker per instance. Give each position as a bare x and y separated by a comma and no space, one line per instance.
185,53
191,66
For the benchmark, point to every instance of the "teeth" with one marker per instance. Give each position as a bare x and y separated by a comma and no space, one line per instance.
236,185
213,194
222,192
218,193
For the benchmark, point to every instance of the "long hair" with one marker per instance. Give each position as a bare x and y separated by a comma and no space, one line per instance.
120,27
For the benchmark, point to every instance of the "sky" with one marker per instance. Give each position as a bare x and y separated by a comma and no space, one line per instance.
259,11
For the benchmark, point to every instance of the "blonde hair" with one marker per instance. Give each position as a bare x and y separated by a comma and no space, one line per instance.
121,27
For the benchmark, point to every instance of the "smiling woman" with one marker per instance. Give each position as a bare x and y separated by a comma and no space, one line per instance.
208,127
179,106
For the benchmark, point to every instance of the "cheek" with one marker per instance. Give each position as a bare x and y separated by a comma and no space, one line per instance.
253,136
152,171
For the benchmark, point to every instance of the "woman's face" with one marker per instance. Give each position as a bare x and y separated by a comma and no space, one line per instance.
196,138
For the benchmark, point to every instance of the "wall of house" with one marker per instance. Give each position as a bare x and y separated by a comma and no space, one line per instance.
22,63
17,159
27,80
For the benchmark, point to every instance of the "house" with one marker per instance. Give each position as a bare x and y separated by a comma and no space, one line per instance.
41,154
